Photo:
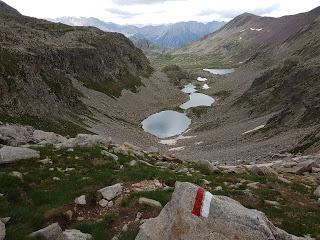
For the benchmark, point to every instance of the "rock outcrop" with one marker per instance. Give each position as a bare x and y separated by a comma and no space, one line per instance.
111,192
37,73
227,219
10,154
54,232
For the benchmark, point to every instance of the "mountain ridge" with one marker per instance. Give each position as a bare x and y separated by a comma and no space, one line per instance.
171,35
39,61
6,9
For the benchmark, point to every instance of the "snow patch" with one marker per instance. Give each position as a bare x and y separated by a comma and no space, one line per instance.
205,87
254,130
256,29
201,79
172,142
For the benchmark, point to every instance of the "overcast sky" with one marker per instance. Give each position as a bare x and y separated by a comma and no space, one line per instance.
159,11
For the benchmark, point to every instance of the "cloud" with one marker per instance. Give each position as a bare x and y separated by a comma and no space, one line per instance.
228,13
160,11
266,10
121,13
134,2
231,13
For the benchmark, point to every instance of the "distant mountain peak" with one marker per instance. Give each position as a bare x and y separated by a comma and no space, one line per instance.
172,35
6,9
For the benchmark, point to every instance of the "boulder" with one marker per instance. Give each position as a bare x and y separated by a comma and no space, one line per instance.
129,149
149,202
74,234
16,135
227,220
296,168
51,232
317,192
81,200
2,230
84,140
302,167
133,163
47,137
5,220
109,155
103,203
54,232
11,154
111,192
16,174
212,168
262,170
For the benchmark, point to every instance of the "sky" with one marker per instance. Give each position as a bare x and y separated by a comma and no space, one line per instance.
159,11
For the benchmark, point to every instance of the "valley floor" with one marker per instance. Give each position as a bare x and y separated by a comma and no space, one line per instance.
216,133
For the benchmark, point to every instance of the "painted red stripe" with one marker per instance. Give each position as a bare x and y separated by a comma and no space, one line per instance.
198,202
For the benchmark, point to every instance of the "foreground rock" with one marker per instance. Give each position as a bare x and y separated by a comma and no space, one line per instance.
74,234
227,219
150,202
111,192
84,140
2,230
16,135
54,232
11,154
51,232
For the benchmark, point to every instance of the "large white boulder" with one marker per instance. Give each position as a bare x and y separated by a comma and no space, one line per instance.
74,234
10,154
84,140
111,192
47,137
51,232
15,135
227,220
54,232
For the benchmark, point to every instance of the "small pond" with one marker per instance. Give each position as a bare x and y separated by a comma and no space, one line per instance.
219,71
166,124
197,100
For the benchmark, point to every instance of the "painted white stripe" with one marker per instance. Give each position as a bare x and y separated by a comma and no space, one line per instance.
206,204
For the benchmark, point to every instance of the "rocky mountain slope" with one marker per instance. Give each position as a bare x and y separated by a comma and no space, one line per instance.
164,36
275,85
39,60
289,83
118,184
248,34
6,9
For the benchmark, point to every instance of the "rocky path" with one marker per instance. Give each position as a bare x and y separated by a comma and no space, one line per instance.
107,190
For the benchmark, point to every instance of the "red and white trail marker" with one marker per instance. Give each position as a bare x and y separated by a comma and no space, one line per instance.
202,202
